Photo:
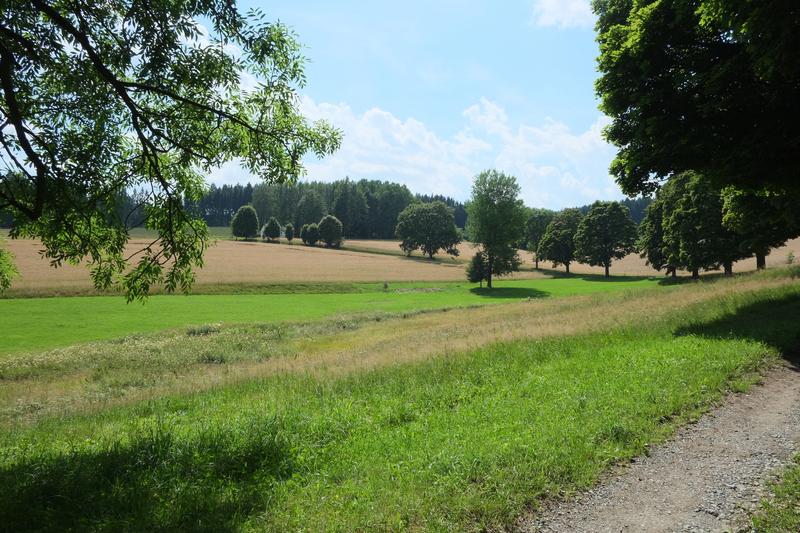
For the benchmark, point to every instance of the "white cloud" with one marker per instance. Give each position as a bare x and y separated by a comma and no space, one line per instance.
563,13
556,167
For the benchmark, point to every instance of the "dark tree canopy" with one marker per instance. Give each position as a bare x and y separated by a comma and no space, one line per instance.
558,242
271,230
606,233
429,227
330,231
101,97
496,221
762,219
711,86
245,223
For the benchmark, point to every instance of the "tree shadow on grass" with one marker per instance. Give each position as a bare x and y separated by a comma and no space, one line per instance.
590,277
509,292
155,481
774,322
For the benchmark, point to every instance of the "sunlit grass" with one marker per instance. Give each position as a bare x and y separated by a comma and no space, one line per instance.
351,434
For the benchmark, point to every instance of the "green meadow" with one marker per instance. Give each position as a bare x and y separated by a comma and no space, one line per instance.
43,323
458,441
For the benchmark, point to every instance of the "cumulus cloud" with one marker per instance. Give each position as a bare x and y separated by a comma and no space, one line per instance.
562,13
556,166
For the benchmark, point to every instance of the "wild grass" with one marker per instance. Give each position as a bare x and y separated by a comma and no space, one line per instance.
35,324
346,435
781,512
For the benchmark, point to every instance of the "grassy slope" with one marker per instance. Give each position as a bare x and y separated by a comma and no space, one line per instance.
42,323
450,443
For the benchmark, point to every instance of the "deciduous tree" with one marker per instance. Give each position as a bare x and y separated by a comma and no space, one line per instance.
496,221
429,227
606,233
711,86
271,230
694,237
310,235
535,227
558,242
99,97
330,231
245,223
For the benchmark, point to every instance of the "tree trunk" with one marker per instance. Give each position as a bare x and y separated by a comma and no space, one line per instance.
728,269
761,261
490,265
607,273
567,265
673,272
536,260
695,273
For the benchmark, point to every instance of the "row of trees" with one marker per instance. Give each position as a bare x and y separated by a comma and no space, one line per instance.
245,225
690,225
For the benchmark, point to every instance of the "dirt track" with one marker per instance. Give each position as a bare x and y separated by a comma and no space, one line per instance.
707,478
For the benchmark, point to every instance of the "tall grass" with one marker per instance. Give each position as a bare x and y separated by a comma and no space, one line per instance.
462,441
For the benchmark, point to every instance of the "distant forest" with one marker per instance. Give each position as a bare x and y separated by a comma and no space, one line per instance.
367,208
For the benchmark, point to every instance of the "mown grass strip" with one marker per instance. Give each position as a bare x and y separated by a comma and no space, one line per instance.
462,442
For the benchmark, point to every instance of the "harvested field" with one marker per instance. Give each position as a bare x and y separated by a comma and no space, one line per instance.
237,262
248,262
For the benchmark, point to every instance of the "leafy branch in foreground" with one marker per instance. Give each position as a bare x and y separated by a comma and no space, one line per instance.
99,98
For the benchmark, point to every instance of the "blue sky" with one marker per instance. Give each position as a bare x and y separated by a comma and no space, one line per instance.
430,93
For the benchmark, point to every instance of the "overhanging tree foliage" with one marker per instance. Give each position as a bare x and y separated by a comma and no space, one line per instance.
100,97
428,227
606,233
711,86
496,219
7,269
558,242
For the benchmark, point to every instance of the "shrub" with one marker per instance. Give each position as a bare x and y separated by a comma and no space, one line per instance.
311,234
288,232
271,230
245,223
330,231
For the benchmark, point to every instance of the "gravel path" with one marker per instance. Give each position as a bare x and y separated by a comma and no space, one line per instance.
707,478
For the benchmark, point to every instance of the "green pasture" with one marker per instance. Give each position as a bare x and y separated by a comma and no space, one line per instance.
40,323
465,442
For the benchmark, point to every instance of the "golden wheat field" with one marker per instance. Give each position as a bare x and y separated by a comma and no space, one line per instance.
230,262
249,262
